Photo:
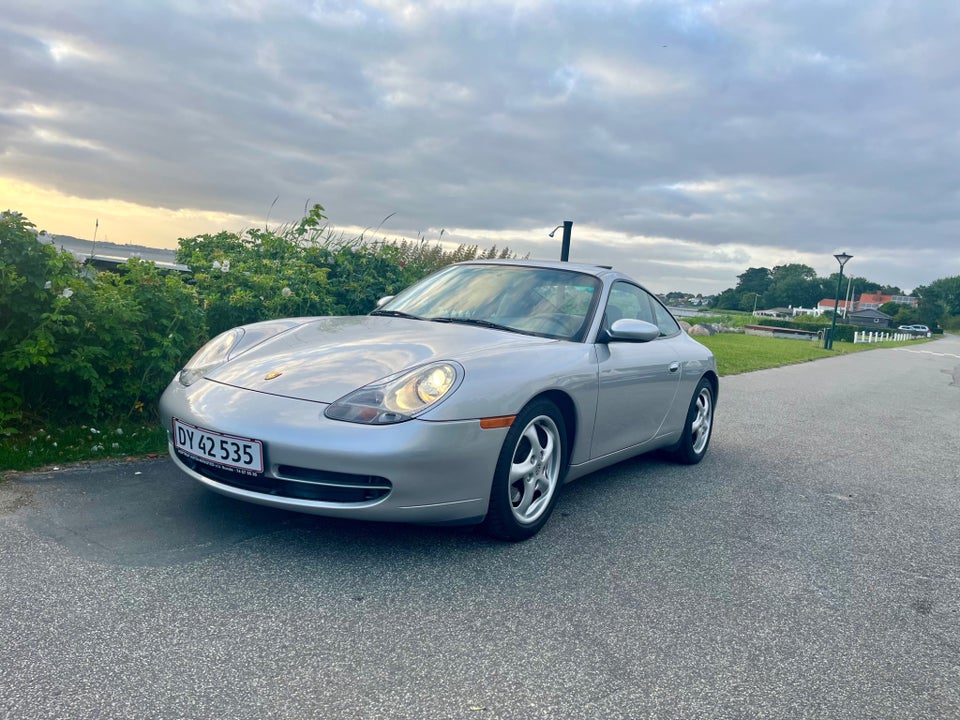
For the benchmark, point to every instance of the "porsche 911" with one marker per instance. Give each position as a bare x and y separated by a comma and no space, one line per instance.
471,397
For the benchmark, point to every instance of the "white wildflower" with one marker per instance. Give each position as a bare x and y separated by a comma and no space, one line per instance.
67,293
286,292
225,266
119,431
115,446
96,448
94,431
47,285
216,264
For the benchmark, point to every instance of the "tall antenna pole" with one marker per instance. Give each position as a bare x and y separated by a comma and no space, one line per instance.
96,226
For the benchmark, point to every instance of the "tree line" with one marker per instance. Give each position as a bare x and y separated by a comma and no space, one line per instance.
797,285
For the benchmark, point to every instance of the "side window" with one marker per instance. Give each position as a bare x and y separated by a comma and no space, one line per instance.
665,321
629,301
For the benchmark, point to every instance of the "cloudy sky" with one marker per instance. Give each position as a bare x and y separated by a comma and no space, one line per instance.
686,139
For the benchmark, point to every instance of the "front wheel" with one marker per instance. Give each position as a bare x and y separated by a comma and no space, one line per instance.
698,427
529,473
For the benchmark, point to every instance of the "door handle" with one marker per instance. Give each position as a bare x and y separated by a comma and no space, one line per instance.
674,367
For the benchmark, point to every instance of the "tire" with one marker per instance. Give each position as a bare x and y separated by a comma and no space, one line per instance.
529,473
698,427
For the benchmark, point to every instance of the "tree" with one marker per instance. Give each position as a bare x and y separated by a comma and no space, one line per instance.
944,292
746,296
794,285
729,299
901,314
754,280
792,271
857,286
940,302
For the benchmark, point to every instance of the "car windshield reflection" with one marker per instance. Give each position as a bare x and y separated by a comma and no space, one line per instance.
547,302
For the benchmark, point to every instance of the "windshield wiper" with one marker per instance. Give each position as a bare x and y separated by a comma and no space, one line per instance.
396,313
475,321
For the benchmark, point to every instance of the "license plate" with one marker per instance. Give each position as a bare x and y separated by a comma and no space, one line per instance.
218,449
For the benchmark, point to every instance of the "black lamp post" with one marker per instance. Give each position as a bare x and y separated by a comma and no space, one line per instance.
842,258
565,248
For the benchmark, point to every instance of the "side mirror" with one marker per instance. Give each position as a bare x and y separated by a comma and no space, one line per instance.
628,330
384,300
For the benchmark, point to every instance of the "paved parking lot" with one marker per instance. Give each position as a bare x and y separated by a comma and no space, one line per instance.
808,568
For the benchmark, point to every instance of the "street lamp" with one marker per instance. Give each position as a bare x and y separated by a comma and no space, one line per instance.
565,247
842,258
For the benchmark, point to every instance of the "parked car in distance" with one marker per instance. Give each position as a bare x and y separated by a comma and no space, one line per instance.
470,397
915,329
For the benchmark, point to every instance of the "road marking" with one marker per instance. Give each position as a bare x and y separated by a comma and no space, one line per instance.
928,352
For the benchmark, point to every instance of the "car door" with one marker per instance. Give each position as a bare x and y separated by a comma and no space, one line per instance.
638,381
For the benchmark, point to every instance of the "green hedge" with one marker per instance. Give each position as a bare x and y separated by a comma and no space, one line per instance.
75,346
305,269
842,333
79,346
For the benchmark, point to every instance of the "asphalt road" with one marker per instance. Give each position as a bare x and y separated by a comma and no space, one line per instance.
808,568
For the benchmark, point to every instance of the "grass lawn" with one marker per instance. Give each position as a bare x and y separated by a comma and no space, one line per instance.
52,446
737,353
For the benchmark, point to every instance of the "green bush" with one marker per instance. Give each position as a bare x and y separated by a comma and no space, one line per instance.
78,346
843,333
774,322
305,269
811,322
75,346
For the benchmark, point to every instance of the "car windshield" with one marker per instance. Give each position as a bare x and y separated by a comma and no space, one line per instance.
537,301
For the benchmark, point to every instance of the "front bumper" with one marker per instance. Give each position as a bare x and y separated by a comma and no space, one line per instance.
417,471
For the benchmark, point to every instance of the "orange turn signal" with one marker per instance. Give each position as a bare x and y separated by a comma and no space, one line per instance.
503,421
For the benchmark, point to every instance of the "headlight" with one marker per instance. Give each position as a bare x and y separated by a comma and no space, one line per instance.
399,398
214,353
231,343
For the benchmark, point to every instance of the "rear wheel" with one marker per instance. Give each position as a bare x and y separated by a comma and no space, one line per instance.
698,427
529,473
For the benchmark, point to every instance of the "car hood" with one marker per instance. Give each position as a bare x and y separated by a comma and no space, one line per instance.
323,359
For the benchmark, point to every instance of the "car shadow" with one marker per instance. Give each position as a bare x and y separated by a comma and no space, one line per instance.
148,513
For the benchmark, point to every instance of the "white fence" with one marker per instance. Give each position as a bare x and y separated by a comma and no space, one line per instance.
876,337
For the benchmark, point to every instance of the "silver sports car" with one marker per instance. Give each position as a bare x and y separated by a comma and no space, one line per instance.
470,397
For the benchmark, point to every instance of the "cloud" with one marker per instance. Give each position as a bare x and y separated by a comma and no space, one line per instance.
734,133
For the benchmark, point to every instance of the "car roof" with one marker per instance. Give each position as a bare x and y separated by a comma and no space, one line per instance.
600,271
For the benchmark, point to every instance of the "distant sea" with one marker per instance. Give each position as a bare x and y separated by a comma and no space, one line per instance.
85,248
